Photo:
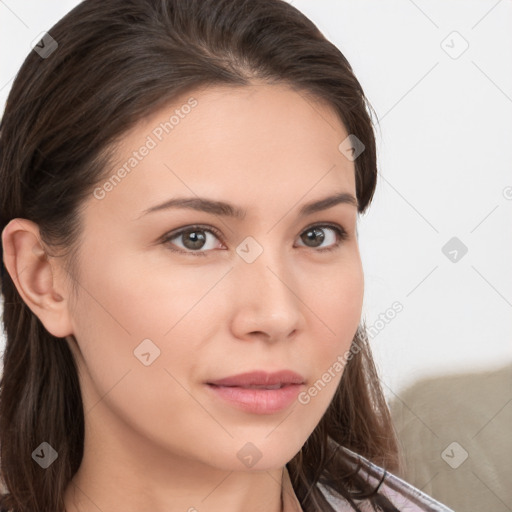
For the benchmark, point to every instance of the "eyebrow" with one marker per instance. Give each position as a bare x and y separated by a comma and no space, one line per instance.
204,204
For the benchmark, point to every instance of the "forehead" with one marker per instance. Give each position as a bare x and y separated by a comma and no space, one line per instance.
245,144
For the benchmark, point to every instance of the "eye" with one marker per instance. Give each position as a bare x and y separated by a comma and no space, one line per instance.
195,238
315,235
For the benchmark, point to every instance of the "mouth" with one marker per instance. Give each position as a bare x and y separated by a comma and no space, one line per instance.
262,386
256,399
260,379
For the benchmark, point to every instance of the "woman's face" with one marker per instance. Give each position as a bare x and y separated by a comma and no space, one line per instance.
160,314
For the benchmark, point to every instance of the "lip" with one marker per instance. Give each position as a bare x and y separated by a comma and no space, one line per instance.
260,378
238,391
258,401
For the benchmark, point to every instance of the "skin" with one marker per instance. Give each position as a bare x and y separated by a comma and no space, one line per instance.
156,439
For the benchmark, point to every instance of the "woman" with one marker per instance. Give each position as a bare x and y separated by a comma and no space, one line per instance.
181,183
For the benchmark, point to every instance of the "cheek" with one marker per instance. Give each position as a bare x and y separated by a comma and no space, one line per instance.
130,313
128,318
338,305
338,300
141,297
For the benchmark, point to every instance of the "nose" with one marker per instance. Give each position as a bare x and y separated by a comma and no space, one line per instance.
267,300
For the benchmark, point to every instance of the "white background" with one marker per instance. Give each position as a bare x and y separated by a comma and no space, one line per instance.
445,160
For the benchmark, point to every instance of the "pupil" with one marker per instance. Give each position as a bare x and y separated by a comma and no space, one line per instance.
196,239
313,233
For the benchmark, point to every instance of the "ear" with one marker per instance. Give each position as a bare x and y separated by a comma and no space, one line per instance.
36,280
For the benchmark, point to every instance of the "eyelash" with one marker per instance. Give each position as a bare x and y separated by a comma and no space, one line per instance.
342,236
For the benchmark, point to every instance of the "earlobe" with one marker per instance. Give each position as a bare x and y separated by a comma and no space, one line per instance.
27,263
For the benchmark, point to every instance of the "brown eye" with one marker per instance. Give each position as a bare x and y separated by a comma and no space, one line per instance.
315,236
194,239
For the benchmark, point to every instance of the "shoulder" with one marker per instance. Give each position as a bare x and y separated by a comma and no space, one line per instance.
397,492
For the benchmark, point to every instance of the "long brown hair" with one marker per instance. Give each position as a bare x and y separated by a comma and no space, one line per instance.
115,62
